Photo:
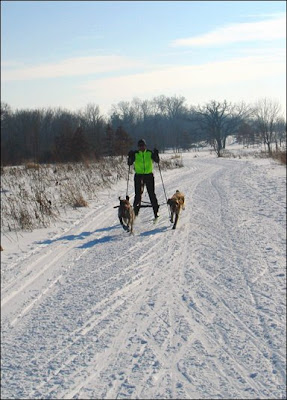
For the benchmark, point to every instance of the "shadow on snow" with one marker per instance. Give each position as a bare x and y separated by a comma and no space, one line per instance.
94,242
154,231
104,239
80,236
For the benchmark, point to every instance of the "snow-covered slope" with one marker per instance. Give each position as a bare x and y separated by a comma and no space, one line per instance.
91,312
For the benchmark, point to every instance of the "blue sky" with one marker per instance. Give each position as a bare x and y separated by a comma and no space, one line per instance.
71,53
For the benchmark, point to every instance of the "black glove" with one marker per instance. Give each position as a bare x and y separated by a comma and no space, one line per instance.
155,155
131,157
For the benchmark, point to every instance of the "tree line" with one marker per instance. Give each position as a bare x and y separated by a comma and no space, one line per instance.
58,135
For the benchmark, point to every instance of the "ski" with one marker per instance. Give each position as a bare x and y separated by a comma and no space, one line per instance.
155,220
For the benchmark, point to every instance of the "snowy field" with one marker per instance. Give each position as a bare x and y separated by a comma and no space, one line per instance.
91,312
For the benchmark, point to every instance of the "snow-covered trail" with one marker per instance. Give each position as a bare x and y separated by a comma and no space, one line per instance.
197,312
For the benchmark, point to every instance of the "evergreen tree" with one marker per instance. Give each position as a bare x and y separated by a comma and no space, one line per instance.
79,146
123,142
109,145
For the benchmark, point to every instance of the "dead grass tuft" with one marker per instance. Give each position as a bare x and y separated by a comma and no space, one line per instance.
80,202
34,196
280,156
32,165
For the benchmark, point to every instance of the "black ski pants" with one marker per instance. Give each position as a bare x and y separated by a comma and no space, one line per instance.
148,181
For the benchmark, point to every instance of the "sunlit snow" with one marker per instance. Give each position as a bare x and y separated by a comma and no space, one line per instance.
91,312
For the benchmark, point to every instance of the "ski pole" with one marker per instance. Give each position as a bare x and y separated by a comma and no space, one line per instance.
128,181
164,190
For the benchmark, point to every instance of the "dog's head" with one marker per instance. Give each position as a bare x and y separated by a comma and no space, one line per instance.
125,204
179,196
173,203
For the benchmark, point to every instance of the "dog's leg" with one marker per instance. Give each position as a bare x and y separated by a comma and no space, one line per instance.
175,221
171,217
131,228
122,224
183,204
126,228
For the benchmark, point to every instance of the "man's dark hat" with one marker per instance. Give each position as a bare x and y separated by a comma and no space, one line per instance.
141,142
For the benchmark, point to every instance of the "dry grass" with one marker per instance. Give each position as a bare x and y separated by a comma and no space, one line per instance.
80,202
175,161
280,156
32,165
33,196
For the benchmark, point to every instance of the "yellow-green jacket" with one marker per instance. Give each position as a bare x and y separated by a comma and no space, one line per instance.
143,161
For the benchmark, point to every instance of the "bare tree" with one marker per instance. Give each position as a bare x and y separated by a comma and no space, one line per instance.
7,142
5,111
266,113
280,131
245,134
220,120
93,125
172,111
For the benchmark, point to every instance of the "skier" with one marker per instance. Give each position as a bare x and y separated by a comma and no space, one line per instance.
143,165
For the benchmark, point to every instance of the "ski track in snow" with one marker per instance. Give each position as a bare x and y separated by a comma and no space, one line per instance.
193,313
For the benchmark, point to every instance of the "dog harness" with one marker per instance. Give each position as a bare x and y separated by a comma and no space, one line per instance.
143,162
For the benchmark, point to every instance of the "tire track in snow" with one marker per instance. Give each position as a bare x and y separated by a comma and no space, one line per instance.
28,282
275,358
151,250
93,321
234,252
140,337
129,387
150,303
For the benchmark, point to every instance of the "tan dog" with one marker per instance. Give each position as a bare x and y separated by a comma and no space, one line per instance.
176,204
126,214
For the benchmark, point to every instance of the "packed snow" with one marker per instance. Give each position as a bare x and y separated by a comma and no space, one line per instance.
92,312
